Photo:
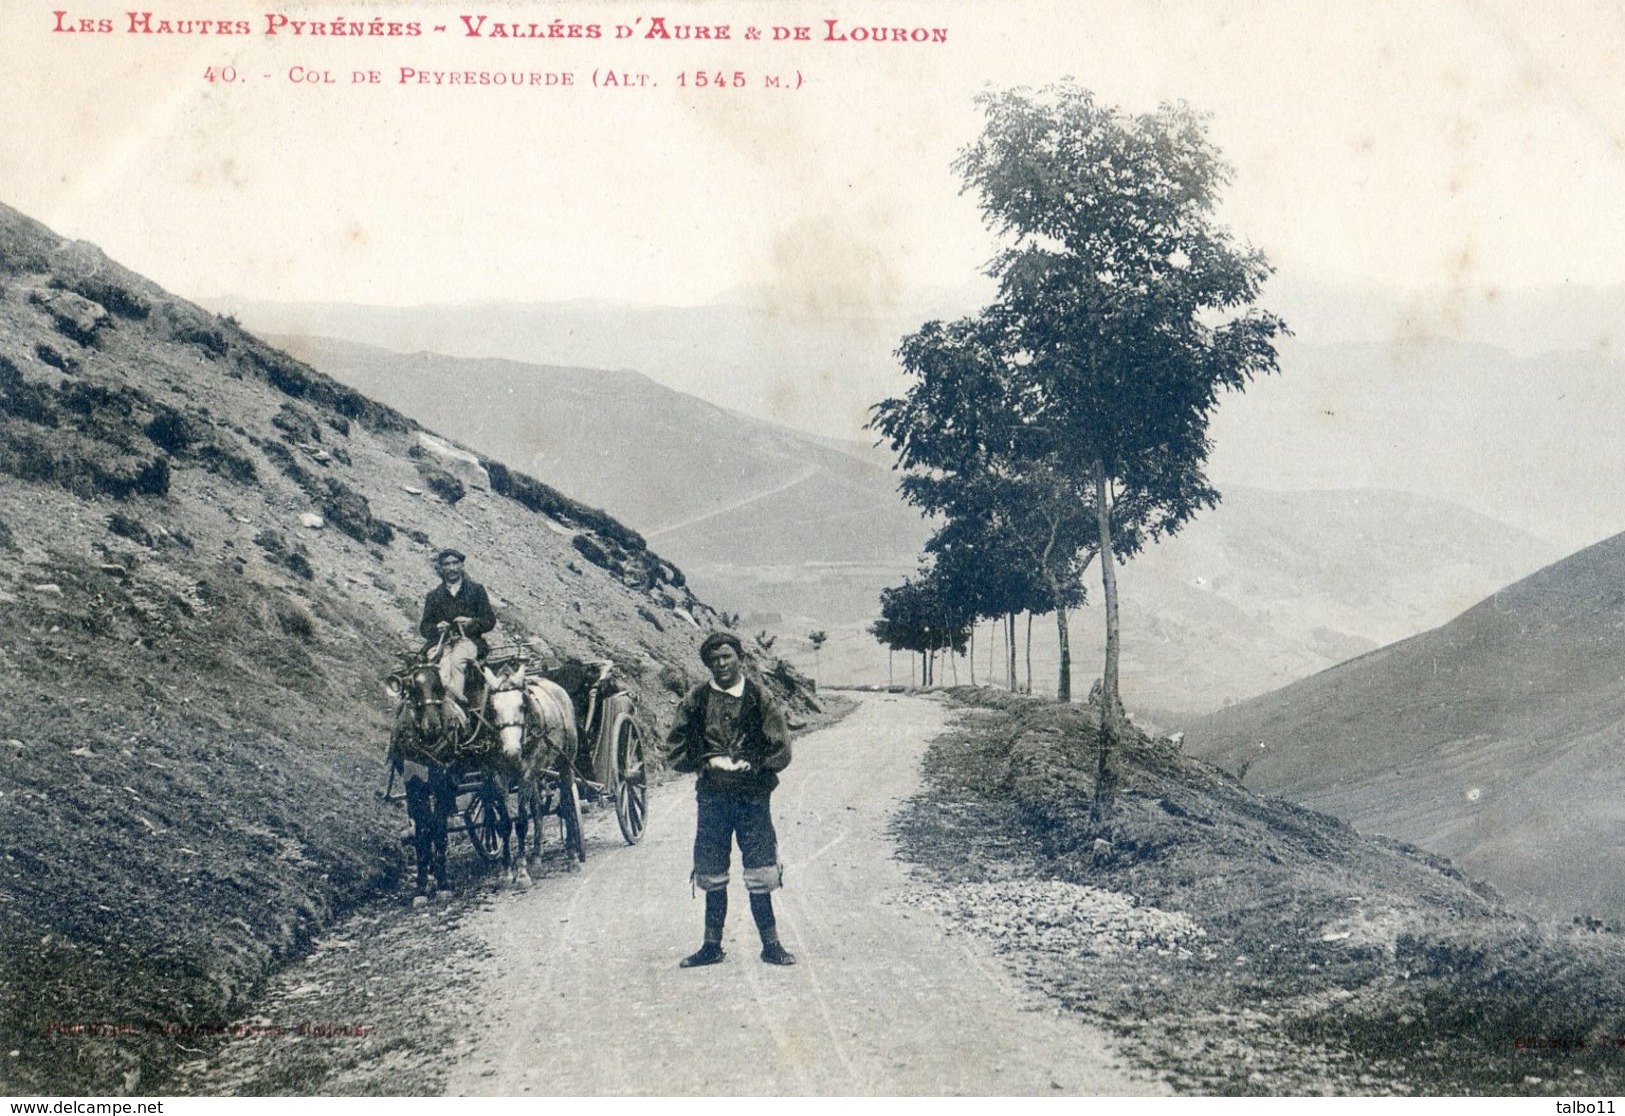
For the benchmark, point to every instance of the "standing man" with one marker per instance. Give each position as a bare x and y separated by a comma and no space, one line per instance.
732,732
458,613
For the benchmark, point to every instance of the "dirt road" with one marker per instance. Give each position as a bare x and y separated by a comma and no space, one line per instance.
584,996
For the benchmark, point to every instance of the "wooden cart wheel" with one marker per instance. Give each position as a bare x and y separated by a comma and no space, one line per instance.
631,781
485,819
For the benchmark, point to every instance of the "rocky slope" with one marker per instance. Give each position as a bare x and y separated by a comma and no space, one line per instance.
210,554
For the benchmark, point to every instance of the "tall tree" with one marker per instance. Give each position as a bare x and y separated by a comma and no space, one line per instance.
1127,309
1083,394
817,638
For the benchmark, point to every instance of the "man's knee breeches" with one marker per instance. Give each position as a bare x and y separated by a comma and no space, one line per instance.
721,821
454,662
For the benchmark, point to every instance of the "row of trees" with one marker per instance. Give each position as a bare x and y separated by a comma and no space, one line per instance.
1068,420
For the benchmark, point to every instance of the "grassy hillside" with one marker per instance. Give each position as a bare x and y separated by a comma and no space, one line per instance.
1240,944
210,555
1493,739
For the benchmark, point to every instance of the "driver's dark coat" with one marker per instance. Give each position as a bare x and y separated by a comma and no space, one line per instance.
471,601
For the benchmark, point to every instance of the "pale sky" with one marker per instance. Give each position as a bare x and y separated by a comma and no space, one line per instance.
1462,146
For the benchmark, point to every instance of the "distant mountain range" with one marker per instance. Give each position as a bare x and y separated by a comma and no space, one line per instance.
1265,589
1509,403
818,374
1529,440
1495,739
1271,586
1521,321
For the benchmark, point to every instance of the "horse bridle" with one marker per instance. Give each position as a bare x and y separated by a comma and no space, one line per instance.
514,680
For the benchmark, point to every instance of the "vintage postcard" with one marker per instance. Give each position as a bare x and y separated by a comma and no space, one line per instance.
308,308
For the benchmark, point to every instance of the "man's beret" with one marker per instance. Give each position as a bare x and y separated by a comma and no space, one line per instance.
449,552
719,639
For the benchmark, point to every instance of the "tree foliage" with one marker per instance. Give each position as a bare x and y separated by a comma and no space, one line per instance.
921,616
1118,294
1074,410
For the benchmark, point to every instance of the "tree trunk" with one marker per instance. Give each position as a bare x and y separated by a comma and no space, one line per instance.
889,653
1029,651
1110,703
1063,638
1063,686
1010,645
971,651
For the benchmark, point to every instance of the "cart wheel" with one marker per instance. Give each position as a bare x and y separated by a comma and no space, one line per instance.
631,780
485,818
575,845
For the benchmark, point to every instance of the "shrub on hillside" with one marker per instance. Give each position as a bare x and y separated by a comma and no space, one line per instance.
228,463
295,621
50,355
297,425
118,298
128,527
22,398
172,432
349,511
442,483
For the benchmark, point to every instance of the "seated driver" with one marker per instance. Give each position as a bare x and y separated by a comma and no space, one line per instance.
456,614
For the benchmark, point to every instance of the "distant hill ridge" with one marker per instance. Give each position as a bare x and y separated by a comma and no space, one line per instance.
1494,739
1264,589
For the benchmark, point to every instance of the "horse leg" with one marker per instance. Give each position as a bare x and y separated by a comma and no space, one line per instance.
420,809
440,877
445,804
531,804
521,824
507,838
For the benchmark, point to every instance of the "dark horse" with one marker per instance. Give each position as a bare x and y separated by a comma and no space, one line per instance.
428,729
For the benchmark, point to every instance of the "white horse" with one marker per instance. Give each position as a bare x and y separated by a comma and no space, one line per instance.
535,725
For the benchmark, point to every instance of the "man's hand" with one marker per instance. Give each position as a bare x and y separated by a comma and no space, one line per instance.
724,763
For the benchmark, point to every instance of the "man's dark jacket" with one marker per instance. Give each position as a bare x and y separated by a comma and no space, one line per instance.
471,601
761,738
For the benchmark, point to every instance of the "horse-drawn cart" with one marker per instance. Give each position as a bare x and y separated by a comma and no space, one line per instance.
532,743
